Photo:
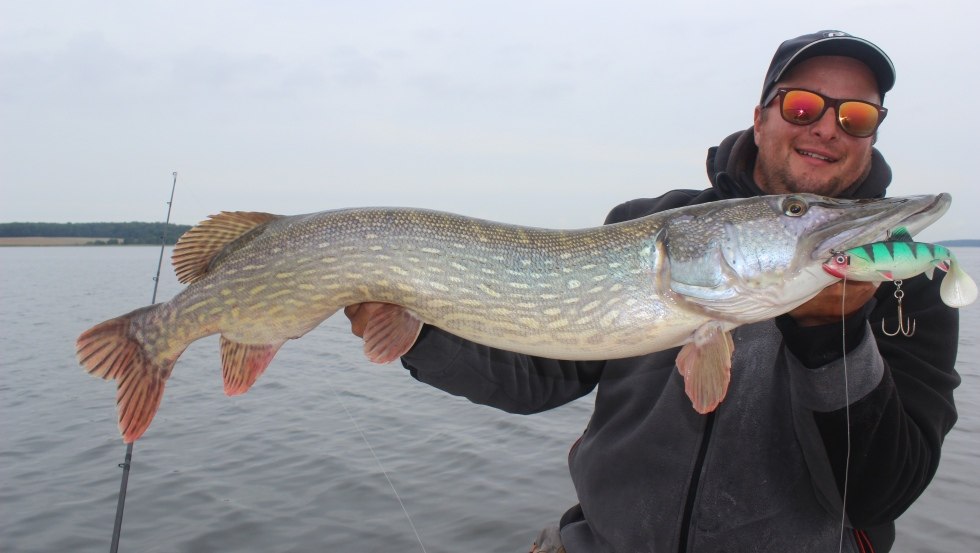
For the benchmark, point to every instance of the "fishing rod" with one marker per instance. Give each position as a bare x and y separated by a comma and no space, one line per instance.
127,461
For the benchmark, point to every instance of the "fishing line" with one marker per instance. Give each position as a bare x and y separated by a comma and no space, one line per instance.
847,416
380,466
127,461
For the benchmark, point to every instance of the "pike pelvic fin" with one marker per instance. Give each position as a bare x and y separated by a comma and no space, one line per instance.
110,351
390,333
243,364
199,248
706,365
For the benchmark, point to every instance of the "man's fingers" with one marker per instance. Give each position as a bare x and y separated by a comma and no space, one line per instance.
825,307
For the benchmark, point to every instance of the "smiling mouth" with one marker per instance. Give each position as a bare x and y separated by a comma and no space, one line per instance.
806,153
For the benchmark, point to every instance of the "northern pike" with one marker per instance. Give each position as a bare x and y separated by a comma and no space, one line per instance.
684,277
900,258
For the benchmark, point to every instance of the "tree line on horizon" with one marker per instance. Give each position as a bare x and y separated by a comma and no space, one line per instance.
118,233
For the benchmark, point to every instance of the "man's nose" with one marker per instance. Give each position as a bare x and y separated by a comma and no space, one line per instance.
826,126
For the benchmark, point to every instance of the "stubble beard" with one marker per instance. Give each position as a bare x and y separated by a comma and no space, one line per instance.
779,180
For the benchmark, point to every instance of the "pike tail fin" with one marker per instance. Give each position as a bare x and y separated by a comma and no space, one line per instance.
706,364
112,350
243,364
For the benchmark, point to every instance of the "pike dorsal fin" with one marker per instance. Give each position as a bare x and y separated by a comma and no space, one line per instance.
199,247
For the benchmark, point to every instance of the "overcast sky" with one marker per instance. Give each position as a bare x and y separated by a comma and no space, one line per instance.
543,113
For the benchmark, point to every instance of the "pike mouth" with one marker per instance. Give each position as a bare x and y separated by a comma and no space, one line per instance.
876,220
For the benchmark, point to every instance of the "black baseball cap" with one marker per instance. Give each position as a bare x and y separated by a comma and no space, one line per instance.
829,43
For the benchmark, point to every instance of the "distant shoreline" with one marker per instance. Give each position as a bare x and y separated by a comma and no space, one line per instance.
968,243
37,241
89,234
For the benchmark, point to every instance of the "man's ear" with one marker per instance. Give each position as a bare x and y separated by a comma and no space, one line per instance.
758,118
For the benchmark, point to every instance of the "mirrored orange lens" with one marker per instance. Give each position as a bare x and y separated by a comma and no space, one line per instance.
858,118
802,107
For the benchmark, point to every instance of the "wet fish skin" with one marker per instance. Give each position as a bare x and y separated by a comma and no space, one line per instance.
681,277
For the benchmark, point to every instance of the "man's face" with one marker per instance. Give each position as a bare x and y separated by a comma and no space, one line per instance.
819,158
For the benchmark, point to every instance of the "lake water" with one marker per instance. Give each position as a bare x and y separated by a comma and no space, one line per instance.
284,468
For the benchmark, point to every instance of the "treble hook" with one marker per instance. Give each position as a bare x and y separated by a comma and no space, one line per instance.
905,326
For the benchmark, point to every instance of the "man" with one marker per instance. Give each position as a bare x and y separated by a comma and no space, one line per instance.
766,470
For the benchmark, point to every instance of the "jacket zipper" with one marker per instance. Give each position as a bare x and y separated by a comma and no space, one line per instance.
692,490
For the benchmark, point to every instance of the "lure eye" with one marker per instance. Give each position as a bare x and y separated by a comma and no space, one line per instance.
842,259
794,207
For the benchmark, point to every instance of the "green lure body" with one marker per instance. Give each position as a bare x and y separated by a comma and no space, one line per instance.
898,260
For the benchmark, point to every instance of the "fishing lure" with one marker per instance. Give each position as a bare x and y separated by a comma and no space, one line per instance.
900,258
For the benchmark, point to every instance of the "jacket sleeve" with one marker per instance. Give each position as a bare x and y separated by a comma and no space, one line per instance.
900,390
509,381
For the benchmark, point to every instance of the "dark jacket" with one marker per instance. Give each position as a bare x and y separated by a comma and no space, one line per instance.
764,472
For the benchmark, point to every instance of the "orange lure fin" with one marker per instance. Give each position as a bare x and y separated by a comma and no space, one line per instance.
390,333
110,351
706,364
243,364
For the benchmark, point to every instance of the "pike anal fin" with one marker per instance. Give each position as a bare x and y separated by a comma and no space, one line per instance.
390,333
243,364
706,365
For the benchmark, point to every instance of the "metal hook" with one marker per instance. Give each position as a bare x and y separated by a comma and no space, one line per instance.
905,325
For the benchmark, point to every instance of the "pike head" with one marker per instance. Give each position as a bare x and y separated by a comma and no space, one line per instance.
749,260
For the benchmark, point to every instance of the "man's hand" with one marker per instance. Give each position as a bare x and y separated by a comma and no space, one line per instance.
825,307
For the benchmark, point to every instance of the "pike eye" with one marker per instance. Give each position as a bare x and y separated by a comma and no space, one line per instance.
794,207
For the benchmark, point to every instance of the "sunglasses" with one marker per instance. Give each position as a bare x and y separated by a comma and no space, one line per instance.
804,107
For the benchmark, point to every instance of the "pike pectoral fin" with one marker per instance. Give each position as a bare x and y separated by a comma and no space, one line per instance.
242,364
706,365
390,333
110,351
